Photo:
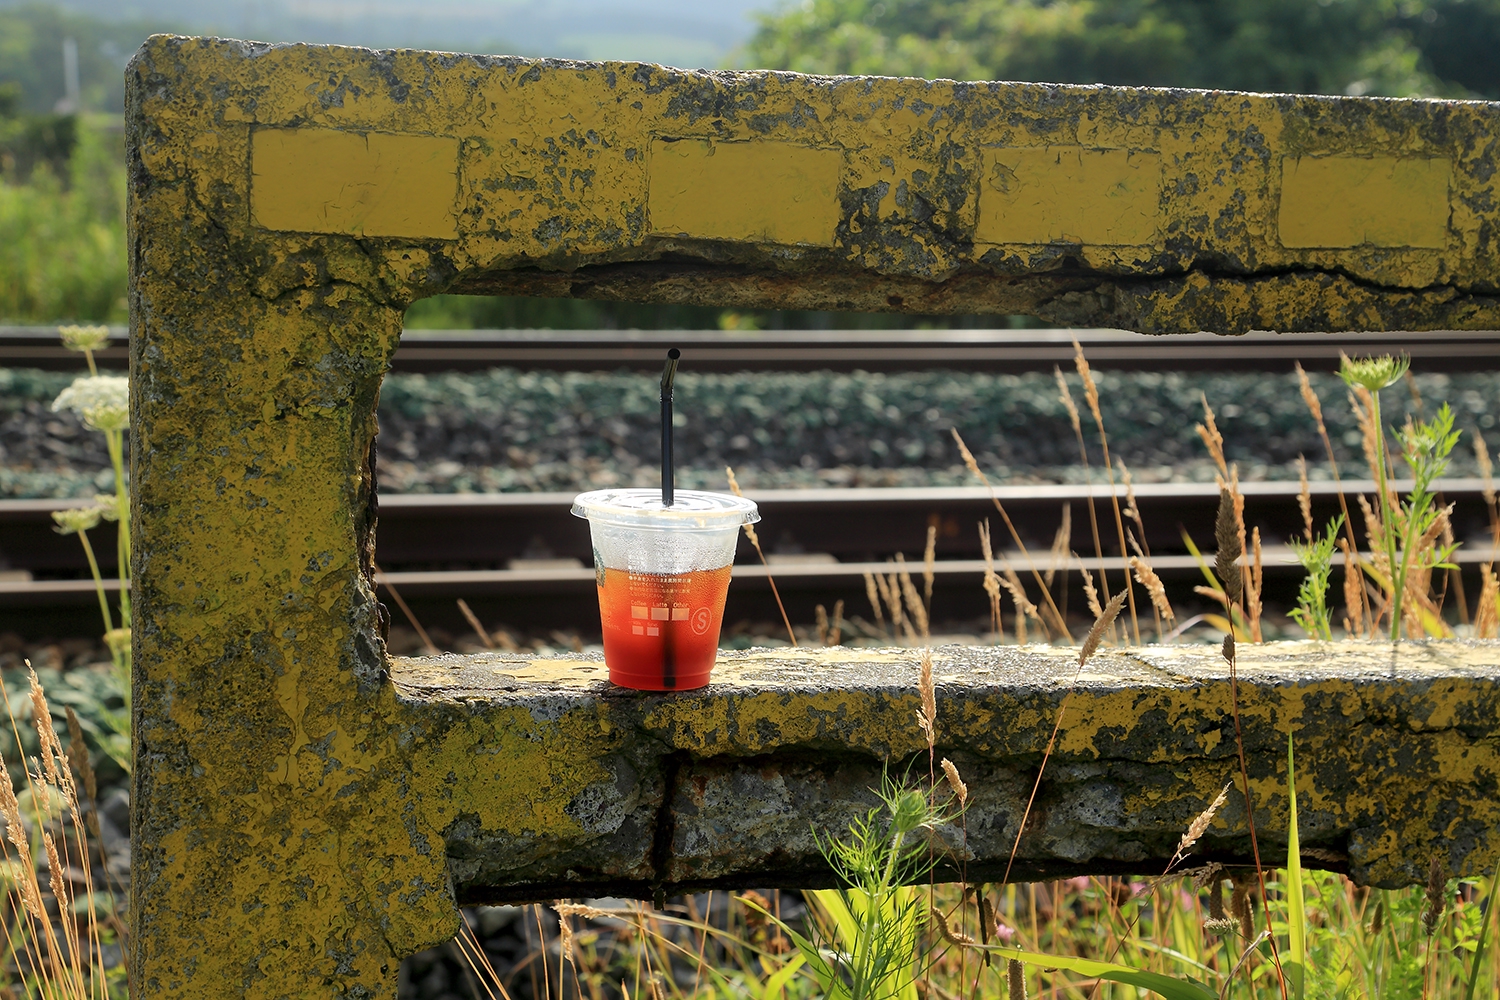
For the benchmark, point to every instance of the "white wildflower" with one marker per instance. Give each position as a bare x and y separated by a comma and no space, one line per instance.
84,338
103,401
76,519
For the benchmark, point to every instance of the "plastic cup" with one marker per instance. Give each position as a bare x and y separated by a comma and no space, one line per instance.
663,574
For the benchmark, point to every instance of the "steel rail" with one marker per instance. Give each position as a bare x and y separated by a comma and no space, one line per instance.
509,542
998,350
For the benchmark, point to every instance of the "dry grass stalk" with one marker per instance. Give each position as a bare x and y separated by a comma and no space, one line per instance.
1487,615
1024,608
1209,432
1132,509
734,487
891,593
473,620
1147,578
927,714
929,561
1354,593
1199,826
1101,625
1304,499
1379,558
1252,592
582,910
1089,593
836,628
66,967
955,782
1363,405
1486,470
1091,393
991,580
820,622
1066,395
1315,407
873,593
915,609
1058,622
1062,544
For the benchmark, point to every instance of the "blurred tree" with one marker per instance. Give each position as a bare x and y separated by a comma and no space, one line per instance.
1386,47
31,55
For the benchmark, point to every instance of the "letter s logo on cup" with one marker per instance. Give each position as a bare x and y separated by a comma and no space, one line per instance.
700,621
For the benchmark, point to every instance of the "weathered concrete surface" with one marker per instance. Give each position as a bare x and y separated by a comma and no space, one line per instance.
410,173
287,203
1397,762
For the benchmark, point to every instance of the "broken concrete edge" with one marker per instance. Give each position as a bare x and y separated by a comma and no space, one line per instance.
636,794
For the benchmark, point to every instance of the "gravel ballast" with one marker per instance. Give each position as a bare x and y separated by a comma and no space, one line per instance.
506,430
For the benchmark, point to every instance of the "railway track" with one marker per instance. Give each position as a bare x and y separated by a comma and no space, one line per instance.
1006,350
526,558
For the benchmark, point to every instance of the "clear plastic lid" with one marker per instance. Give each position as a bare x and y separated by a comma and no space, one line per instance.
694,510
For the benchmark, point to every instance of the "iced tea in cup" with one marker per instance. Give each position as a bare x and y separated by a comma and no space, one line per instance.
663,574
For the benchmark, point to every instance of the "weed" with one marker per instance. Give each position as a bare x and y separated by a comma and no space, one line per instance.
1316,556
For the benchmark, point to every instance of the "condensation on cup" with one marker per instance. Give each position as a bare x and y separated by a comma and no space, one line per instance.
663,574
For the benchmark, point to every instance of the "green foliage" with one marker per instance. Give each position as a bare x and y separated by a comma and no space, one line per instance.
1316,557
1425,446
62,245
502,312
27,141
1385,47
865,945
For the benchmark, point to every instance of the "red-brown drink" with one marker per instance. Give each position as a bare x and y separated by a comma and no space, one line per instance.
661,632
663,573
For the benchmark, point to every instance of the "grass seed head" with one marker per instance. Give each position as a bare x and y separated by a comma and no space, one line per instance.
1304,498
1209,432
1314,404
1015,980
1227,538
1147,578
1199,826
955,782
1437,897
927,715
1101,625
1090,592
1066,396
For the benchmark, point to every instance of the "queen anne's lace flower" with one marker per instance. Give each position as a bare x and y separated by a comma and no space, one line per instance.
84,338
103,401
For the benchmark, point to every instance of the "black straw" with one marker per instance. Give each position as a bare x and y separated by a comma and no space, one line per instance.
668,481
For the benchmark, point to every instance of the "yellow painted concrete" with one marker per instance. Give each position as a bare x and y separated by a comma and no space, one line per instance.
1347,201
1068,194
762,192
317,180
289,202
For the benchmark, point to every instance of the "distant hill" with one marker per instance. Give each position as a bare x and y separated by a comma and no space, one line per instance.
688,33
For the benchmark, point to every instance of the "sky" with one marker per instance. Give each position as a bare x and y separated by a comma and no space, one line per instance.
686,33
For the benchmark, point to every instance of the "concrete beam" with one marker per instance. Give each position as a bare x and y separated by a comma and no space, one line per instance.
632,794
293,808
